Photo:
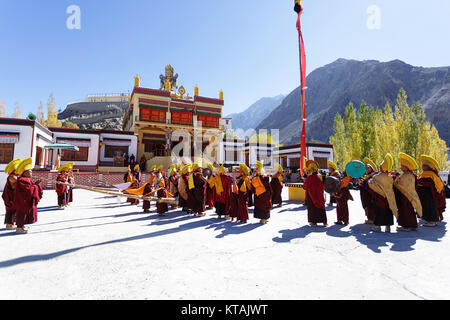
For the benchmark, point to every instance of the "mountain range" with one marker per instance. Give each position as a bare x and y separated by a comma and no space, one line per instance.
257,112
332,87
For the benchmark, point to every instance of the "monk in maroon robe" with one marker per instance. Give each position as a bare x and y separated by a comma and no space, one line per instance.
27,195
263,194
431,191
315,200
342,198
366,198
210,190
277,187
243,186
199,193
222,200
61,190
8,198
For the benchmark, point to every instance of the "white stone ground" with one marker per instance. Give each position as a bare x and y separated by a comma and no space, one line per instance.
100,249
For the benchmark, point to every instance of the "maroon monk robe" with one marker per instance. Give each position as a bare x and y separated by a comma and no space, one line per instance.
277,189
199,194
433,202
210,193
161,208
406,214
26,198
366,200
263,202
242,203
8,199
186,204
146,203
61,190
315,200
342,198
233,212
222,201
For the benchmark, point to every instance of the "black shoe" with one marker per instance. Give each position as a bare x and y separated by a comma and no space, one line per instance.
146,211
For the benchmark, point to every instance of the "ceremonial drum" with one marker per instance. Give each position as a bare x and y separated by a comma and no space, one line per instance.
332,184
356,169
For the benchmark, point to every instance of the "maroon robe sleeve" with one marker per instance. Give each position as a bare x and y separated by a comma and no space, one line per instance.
315,191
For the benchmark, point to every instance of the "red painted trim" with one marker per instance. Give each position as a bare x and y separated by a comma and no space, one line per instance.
157,102
209,100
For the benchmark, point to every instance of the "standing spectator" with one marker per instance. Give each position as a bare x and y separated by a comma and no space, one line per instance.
143,163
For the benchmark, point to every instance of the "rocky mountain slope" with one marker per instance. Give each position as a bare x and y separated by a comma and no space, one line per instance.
332,87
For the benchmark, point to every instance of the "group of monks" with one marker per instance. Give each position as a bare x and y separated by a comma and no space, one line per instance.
21,195
384,194
65,191
198,193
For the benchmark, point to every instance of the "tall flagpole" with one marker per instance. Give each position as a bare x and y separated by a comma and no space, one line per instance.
298,8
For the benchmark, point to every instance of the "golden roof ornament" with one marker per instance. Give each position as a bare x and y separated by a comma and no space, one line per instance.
137,81
169,80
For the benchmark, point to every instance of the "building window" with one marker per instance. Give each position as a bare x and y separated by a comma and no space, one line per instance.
156,149
112,151
323,162
6,152
208,121
72,155
153,115
182,117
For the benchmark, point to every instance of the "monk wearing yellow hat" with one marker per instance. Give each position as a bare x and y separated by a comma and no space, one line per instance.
27,195
431,191
71,181
276,182
210,188
197,184
243,185
315,197
60,188
159,185
185,200
263,194
381,188
366,198
131,178
408,202
222,194
173,181
333,172
8,193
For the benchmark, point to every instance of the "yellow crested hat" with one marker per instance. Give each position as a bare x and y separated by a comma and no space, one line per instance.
332,165
430,161
408,161
197,164
12,166
136,167
387,163
260,167
370,163
160,168
244,168
278,167
24,165
311,164
153,168
222,169
185,169
64,167
210,166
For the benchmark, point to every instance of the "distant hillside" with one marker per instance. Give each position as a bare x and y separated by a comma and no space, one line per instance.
95,115
332,87
253,115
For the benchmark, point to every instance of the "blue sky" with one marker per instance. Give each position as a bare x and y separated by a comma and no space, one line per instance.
248,48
